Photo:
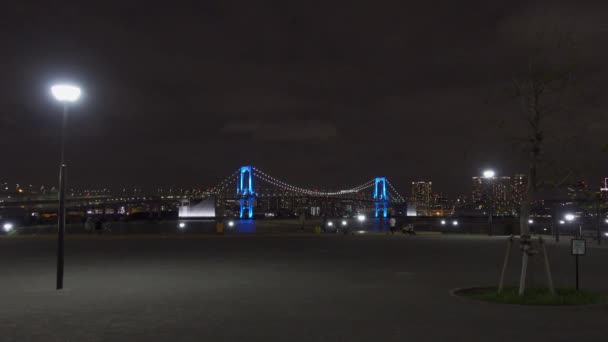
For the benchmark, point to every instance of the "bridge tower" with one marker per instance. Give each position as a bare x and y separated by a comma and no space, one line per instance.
380,197
244,192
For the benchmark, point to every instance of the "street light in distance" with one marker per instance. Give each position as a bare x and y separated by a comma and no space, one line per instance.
489,173
66,92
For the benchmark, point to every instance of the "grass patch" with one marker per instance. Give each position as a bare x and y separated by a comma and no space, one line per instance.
534,296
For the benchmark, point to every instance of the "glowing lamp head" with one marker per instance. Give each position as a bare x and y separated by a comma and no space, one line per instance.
530,221
562,221
66,92
344,222
182,225
569,217
455,223
230,223
7,227
361,218
489,174
443,222
330,223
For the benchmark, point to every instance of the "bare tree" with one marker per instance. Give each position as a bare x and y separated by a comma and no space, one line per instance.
544,92
541,92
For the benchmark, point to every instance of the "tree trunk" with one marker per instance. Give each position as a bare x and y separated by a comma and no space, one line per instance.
524,229
526,204
536,141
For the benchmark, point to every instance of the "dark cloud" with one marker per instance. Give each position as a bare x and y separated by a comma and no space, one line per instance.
302,130
349,90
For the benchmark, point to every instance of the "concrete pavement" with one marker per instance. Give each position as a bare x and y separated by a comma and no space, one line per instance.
278,288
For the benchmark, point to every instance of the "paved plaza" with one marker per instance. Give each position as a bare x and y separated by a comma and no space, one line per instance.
282,288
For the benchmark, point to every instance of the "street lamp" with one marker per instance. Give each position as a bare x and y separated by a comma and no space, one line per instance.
570,218
7,227
489,175
66,94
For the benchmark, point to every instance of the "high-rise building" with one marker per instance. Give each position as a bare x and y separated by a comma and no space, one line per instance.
604,185
498,190
502,192
478,194
462,201
518,188
604,190
441,206
421,197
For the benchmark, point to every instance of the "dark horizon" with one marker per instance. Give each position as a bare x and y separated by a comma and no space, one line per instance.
326,96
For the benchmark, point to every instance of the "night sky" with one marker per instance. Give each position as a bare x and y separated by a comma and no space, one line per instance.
325,94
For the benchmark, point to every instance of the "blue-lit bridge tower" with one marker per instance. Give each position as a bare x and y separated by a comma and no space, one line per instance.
244,191
380,197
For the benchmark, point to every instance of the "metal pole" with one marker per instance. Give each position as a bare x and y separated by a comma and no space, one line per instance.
491,232
576,272
597,220
61,212
555,224
491,206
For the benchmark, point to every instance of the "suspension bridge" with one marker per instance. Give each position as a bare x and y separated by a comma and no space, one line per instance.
249,188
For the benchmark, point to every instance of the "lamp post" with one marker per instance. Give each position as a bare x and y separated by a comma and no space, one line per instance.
66,94
489,175
570,218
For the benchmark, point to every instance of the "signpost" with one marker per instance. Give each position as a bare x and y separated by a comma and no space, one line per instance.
578,247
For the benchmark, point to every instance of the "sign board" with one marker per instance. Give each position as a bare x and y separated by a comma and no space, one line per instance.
578,246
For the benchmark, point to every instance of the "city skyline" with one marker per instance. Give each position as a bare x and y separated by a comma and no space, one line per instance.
507,190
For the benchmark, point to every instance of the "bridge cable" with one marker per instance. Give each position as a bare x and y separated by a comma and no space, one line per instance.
268,178
222,185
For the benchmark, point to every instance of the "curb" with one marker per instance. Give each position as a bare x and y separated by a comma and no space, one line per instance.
453,293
